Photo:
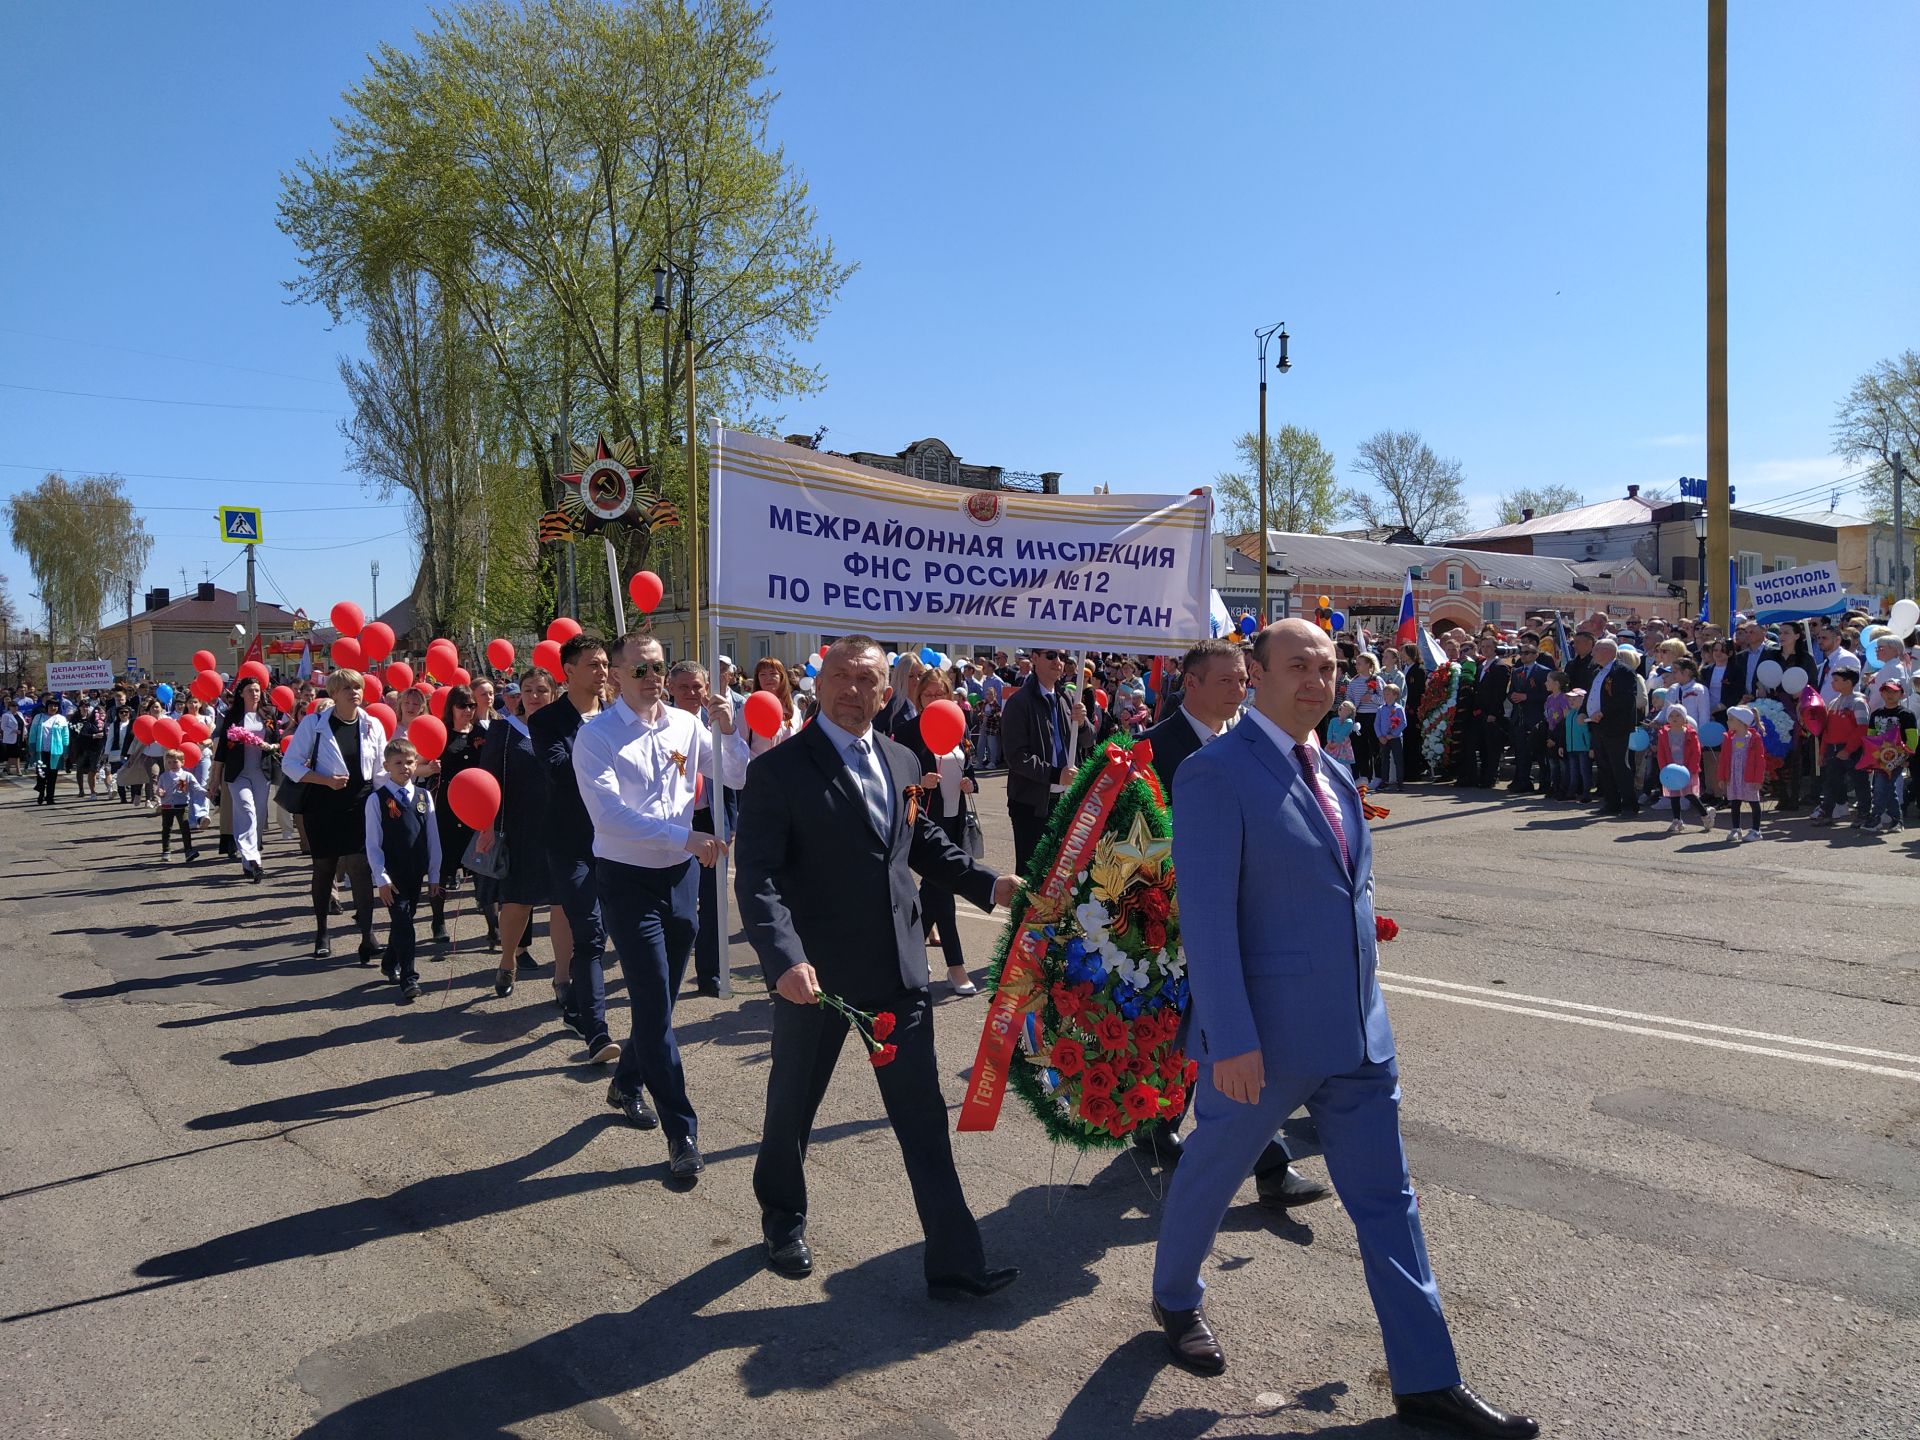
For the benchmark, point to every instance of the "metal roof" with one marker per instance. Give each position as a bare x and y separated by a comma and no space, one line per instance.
1333,558
1603,516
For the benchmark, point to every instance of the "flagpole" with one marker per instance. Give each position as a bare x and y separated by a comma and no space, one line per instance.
613,581
722,944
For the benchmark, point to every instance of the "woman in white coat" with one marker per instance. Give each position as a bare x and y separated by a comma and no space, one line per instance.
337,753
241,738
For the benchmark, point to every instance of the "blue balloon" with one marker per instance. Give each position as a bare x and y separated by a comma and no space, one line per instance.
1339,619
812,669
1676,777
929,655
1711,734
165,692
1248,624
1639,741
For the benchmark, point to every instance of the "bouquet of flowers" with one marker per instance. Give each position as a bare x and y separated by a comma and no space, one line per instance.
1437,703
872,1029
240,735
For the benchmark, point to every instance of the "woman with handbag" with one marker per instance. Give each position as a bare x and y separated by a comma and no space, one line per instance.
945,782
522,883
89,740
243,735
329,770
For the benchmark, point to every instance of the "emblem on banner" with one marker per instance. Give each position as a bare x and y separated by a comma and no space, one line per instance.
983,507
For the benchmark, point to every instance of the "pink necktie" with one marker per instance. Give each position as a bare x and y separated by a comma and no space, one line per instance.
1329,807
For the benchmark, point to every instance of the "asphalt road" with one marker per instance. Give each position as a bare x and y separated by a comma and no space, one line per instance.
1662,1098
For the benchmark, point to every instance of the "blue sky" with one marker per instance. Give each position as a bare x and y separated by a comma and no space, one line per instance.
1480,221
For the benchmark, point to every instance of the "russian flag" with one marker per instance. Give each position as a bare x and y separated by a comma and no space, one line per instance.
1409,627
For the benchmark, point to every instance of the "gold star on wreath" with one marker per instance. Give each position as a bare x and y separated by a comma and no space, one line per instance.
1147,854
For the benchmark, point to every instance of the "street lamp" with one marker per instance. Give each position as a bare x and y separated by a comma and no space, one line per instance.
1284,582
659,308
1283,365
1700,534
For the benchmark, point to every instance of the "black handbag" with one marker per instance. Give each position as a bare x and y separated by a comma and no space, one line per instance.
292,794
973,839
493,862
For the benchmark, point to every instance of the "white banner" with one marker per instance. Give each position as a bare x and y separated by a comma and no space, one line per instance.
79,675
807,541
1798,594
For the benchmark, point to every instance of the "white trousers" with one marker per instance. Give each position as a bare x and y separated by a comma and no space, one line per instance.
247,798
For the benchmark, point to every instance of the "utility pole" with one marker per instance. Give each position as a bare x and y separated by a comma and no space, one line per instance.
376,588
252,617
1264,337
1900,591
129,621
1719,498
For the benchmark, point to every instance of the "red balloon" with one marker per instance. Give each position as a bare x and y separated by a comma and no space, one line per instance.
422,689
429,737
389,721
399,677
203,660
283,698
943,725
348,618
823,650
285,741
460,677
254,670
376,642
547,656
1100,698
437,701
645,590
764,714
166,730
314,704
563,629
207,686
143,729
192,727
371,689
500,653
190,753
475,797
346,654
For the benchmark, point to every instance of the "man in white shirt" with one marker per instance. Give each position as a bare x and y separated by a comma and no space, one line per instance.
1832,654
641,764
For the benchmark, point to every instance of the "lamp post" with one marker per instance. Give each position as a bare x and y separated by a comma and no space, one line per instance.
1282,365
1700,535
693,454
1284,582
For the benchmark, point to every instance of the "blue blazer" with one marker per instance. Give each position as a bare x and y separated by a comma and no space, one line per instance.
1279,938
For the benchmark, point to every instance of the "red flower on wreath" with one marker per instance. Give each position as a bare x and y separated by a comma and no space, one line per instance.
1142,1102
1176,1098
1120,1124
1097,1109
1099,1080
1172,1068
1384,929
1138,1065
883,1056
1069,1057
1112,1031
1146,1031
1154,932
1071,1000
1192,1071
1154,903
883,1024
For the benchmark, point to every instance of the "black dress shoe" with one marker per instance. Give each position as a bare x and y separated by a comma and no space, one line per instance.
793,1259
1284,1189
1464,1413
639,1114
708,988
1190,1341
389,970
409,992
602,1050
972,1287
683,1160
503,983
321,949
1161,1143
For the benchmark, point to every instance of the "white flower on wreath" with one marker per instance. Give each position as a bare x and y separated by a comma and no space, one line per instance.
1091,917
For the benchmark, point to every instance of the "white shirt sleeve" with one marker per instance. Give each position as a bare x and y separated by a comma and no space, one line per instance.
593,767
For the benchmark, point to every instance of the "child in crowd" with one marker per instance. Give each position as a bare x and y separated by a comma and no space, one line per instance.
1684,688
1579,747
1340,735
1555,744
403,855
1847,715
1679,744
1367,693
1390,728
178,790
1743,770
1889,784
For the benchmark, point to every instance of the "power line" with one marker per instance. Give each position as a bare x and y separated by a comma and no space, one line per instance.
158,355
152,400
153,475
368,540
211,510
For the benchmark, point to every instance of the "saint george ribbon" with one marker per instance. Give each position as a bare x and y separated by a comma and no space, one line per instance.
1023,987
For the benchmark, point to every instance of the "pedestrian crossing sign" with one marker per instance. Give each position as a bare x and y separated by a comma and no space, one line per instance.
239,525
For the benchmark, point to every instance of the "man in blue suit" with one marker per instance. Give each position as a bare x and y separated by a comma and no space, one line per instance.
1276,912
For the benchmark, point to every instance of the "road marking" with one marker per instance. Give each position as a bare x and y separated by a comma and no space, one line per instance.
1654,1019
1828,1060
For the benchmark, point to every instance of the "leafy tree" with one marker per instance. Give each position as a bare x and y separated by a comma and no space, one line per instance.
1302,497
1541,499
1879,417
82,539
1414,488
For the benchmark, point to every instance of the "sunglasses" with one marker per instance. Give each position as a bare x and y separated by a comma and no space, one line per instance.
649,667
1059,656
465,705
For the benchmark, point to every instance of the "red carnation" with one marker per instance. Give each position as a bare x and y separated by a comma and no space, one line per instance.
1142,1102
1154,904
1384,929
1068,1056
1112,1031
884,1055
1097,1109
883,1024
1099,1080
1066,1001
1154,932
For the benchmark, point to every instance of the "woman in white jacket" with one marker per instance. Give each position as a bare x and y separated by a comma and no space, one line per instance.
337,754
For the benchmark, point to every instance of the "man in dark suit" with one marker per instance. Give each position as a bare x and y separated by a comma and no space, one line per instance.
1742,679
1528,692
832,827
1615,705
1216,684
1490,702
1043,736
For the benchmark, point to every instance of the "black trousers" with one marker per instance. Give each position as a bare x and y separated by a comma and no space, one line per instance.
1529,741
169,816
1615,769
1028,828
806,1045
1366,750
649,916
936,899
706,944
1492,737
400,951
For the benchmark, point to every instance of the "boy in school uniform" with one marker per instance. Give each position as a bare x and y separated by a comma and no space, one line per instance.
403,855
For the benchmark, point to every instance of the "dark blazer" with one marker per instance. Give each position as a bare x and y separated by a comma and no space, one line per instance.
816,885
230,759
1026,740
909,736
1739,684
1173,740
1622,701
569,829
1496,680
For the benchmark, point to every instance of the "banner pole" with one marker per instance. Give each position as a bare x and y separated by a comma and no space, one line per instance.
613,581
721,918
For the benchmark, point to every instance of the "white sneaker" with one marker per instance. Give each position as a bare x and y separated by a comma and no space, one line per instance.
1707,818
1675,828
1753,834
1734,837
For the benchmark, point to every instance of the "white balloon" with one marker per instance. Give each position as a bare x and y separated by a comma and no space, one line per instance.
1794,681
1903,617
1769,673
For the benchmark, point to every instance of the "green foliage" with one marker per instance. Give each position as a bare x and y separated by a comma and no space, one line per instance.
1302,495
83,540
1412,487
1541,499
1879,417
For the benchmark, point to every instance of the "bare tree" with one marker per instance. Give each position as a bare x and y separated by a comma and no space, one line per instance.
1879,417
1540,499
1415,489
